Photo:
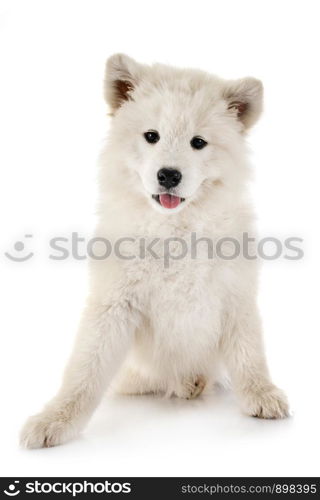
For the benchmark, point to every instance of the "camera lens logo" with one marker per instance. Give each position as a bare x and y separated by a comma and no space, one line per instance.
12,489
19,247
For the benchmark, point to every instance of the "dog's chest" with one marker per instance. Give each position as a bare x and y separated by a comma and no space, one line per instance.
182,296
180,272
184,308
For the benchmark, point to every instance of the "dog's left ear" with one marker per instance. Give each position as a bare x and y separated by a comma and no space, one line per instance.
122,76
244,99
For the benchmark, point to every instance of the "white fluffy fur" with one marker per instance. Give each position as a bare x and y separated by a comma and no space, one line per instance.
168,327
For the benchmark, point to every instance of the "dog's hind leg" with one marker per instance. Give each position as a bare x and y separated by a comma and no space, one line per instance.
191,388
131,381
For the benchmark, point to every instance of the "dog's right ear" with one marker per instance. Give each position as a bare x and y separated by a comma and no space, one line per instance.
122,76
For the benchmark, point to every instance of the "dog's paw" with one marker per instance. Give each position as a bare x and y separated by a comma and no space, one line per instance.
270,403
45,430
191,389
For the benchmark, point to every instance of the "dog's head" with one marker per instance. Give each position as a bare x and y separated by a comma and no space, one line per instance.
178,132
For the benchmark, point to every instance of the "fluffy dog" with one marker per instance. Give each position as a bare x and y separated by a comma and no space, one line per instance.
174,164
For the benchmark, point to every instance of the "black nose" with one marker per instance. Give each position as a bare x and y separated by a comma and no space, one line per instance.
169,177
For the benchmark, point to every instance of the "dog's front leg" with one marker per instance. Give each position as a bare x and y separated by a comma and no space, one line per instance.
246,362
102,342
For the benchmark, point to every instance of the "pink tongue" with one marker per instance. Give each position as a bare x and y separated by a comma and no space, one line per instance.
169,200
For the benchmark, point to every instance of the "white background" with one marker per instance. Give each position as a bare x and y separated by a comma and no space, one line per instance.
52,123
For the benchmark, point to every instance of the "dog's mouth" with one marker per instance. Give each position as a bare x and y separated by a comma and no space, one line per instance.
168,200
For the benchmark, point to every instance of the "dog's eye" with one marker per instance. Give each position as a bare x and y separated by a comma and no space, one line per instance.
151,136
198,142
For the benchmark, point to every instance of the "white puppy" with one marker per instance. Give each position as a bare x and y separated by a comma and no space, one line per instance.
175,164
